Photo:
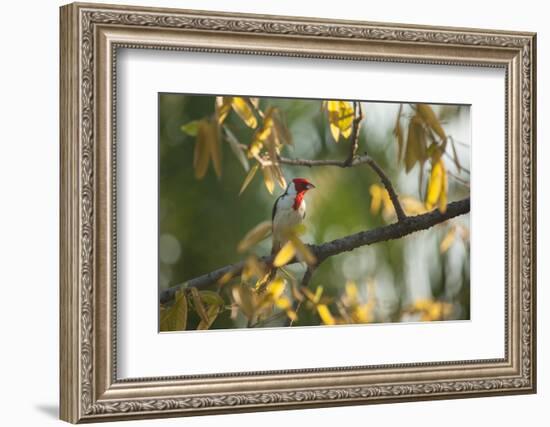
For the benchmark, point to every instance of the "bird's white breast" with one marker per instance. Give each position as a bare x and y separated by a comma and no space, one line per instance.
286,217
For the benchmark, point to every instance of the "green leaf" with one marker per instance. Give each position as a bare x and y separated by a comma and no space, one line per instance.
199,306
215,147
191,128
201,155
174,318
211,298
211,313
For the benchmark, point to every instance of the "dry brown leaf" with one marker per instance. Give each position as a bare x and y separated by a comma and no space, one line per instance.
429,117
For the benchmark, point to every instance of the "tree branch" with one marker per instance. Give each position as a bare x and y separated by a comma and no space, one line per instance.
323,251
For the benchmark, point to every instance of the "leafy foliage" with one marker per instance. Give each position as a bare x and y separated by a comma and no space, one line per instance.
257,132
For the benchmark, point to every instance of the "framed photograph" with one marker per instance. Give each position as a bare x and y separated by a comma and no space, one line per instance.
264,212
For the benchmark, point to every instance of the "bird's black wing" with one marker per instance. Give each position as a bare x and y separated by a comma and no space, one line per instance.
275,207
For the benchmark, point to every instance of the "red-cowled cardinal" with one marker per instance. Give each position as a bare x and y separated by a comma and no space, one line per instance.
289,211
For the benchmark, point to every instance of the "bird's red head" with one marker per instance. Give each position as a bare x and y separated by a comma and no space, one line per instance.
302,185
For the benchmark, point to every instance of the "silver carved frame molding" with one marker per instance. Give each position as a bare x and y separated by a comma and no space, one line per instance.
90,36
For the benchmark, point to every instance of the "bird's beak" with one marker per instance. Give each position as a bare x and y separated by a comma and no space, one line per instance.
310,186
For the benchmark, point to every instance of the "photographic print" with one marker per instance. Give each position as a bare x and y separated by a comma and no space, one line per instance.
319,200
281,212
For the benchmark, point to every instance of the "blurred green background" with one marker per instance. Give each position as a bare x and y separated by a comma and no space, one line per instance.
202,221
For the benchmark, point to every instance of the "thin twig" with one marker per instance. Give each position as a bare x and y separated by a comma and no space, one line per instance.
401,216
323,251
356,128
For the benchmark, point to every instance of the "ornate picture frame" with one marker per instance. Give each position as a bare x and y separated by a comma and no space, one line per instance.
90,37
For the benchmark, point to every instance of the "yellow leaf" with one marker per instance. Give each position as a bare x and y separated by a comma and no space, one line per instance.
279,176
309,295
226,277
302,251
262,282
223,105
283,303
447,240
254,149
276,288
340,116
242,108
299,229
431,310
362,314
268,179
325,315
376,198
291,314
265,131
255,266
201,155
283,135
352,292
257,234
431,119
412,206
318,294
249,177
335,131
286,253
435,185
